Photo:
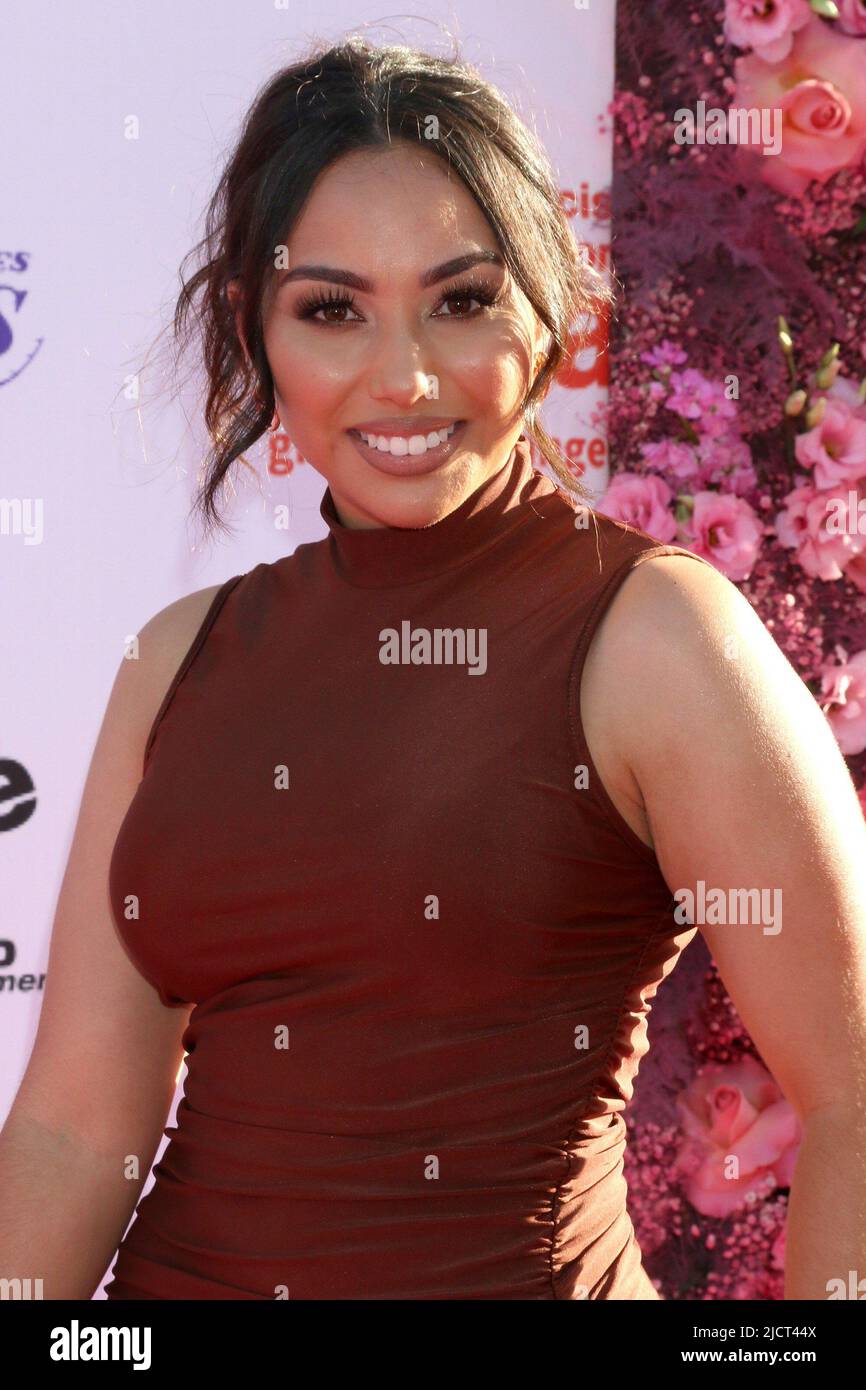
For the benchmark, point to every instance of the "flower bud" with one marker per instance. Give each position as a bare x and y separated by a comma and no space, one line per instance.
795,402
827,375
815,414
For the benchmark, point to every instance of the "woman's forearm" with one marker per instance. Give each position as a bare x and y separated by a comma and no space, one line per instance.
63,1211
825,1246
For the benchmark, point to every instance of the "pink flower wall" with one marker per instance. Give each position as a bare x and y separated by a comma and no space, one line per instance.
737,428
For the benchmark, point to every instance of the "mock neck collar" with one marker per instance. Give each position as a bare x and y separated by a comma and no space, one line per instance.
391,556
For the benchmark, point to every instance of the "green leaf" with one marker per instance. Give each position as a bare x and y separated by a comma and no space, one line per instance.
825,8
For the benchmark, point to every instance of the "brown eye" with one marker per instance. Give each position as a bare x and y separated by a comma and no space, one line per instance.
310,307
467,294
333,309
458,299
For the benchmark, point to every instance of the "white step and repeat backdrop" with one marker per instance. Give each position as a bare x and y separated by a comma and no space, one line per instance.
115,116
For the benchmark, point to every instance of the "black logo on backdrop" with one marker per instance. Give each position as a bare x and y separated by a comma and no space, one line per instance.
17,794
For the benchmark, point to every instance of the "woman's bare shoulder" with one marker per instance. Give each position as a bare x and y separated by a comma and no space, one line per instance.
161,645
183,615
613,696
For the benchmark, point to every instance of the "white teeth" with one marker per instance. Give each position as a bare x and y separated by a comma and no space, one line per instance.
415,444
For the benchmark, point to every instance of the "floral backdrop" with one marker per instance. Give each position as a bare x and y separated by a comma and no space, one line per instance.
737,428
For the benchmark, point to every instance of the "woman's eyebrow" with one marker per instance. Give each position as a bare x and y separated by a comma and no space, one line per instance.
456,266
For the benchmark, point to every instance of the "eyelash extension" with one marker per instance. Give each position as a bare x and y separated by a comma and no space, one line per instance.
468,289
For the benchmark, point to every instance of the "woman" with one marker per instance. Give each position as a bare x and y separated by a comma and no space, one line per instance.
417,799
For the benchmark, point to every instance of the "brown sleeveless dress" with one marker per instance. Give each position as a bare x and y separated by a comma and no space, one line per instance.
421,950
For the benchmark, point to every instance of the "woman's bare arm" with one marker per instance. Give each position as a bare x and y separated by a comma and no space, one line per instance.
101,1075
745,788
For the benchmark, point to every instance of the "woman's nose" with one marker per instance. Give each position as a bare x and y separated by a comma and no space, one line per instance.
404,372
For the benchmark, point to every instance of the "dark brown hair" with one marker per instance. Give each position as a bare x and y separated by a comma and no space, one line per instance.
334,102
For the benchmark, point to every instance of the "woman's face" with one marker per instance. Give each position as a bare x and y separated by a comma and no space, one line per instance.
404,356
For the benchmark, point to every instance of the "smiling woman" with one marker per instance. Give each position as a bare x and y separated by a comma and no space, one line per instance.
417,334
417,919
358,276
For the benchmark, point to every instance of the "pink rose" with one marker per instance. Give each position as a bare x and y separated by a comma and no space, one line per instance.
769,29
640,502
820,89
670,456
803,524
843,700
852,16
836,448
725,530
735,1112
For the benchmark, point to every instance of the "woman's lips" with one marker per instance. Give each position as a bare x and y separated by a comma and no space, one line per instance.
408,465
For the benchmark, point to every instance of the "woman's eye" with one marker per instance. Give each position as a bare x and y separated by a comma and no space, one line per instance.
334,308
464,298
338,305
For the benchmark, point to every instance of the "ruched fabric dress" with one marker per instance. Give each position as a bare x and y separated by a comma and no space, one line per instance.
420,942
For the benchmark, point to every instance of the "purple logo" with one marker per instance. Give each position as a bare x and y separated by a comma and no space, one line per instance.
17,349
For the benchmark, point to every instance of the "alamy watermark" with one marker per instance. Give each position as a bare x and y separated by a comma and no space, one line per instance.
846,517
438,646
719,906
22,516
737,126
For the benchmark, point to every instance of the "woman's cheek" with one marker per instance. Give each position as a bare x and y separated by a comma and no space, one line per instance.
491,362
322,373
496,379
